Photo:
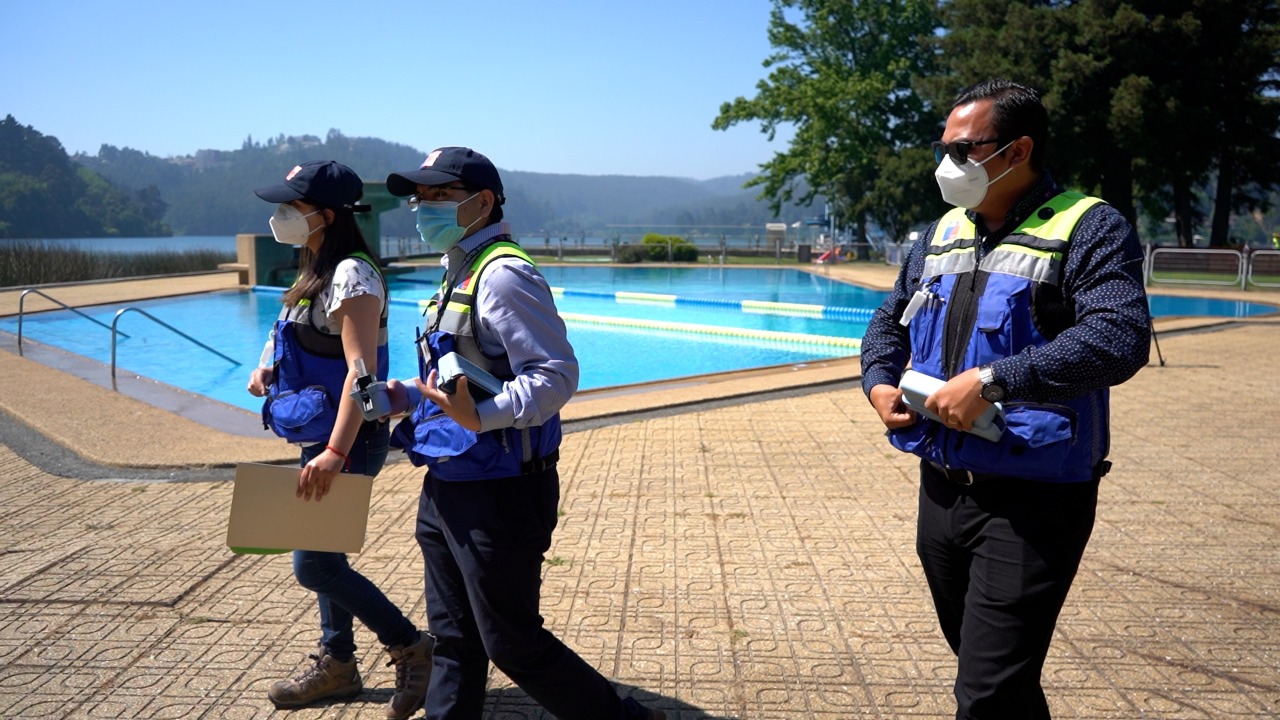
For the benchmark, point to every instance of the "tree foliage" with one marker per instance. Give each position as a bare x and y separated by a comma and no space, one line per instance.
1161,106
842,75
1148,100
43,194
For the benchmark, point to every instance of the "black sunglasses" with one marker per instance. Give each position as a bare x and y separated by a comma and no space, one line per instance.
958,150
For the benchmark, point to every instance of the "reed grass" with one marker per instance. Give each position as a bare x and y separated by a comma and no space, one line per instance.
39,263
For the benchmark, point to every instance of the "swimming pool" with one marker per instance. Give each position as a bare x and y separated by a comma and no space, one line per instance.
628,325
619,340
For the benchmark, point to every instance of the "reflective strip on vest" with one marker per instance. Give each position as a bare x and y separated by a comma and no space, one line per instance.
1034,250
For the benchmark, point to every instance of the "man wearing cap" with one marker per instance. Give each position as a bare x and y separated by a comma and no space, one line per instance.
491,493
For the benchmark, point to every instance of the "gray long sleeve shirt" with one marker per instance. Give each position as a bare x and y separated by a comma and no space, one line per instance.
517,316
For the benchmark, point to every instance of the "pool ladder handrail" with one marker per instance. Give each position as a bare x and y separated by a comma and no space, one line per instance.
22,299
115,321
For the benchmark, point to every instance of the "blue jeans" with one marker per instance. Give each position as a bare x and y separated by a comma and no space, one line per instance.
341,592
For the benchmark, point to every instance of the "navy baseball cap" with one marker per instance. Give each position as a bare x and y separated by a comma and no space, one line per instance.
445,165
322,182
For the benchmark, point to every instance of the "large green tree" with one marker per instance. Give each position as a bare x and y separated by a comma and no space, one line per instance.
1149,100
841,74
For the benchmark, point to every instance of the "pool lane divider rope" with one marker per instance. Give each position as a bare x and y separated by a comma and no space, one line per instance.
789,338
732,332
760,307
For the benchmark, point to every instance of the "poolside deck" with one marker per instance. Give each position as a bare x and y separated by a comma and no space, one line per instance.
731,547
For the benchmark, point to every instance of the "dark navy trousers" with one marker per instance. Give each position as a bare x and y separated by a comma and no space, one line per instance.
1000,556
483,544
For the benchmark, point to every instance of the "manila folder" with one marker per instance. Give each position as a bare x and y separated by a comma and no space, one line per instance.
267,516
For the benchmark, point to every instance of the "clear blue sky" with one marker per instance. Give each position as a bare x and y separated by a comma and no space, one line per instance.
560,86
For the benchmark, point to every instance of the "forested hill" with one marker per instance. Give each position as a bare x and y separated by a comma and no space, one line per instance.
211,192
44,194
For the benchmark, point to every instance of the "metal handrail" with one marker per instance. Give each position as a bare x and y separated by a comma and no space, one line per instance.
124,310
22,299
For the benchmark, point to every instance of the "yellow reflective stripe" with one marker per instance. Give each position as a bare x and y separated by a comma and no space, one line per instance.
1067,208
491,253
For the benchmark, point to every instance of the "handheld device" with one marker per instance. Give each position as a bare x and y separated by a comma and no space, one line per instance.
917,386
370,394
452,365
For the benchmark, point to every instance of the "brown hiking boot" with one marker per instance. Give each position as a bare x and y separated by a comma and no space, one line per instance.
413,674
327,679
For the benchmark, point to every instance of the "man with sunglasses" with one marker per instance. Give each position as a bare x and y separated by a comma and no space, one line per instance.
1028,297
491,493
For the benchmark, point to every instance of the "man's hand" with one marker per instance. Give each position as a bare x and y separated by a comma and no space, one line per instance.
959,402
459,406
887,401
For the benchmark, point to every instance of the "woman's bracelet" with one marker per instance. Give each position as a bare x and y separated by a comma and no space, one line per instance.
346,461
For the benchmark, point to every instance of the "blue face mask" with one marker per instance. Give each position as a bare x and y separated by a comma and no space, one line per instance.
438,224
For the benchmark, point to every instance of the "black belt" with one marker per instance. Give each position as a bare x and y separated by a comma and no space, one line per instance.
538,465
963,477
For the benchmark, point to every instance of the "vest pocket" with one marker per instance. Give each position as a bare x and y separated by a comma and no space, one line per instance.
1037,440
440,437
919,438
995,329
301,415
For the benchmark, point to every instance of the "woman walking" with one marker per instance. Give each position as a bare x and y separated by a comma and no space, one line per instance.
332,328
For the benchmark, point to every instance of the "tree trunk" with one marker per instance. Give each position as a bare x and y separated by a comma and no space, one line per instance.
1117,186
1221,233
1182,212
860,236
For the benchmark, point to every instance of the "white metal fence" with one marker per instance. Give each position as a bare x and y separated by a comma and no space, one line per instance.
1212,266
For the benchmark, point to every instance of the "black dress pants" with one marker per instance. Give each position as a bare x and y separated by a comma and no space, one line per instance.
483,543
999,556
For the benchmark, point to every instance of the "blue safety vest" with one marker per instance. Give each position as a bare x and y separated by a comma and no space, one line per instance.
432,438
1011,310
311,371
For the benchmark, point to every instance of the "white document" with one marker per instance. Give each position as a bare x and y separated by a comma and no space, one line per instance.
267,516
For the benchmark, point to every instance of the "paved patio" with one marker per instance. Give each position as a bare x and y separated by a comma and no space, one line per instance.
719,556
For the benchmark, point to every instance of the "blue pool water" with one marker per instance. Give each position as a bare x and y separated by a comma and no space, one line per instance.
236,323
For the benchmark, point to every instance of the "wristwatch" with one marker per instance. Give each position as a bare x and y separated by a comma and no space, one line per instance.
992,391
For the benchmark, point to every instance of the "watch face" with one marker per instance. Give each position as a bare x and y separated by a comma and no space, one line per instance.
992,393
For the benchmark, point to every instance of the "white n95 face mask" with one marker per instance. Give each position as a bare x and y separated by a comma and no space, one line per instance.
966,185
289,225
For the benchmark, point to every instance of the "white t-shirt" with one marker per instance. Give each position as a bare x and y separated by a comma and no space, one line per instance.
352,277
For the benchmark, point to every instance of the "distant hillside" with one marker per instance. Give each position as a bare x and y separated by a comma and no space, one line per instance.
43,194
211,192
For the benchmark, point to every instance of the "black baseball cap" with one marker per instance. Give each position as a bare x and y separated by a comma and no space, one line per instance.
322,182
445,165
